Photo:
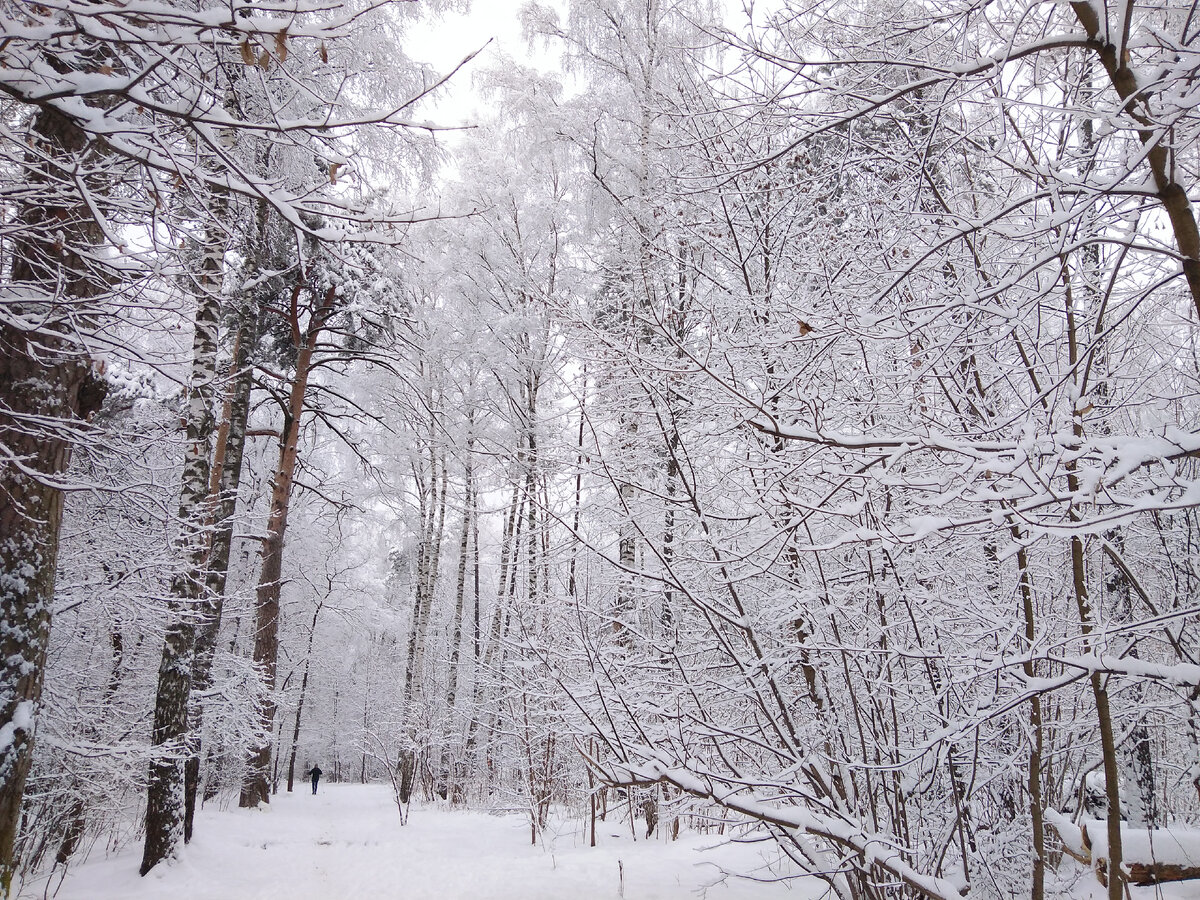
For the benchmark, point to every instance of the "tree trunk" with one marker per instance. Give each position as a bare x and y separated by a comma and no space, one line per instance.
623,611
433,519
256,787
165,795
580,459
226,479
1037,812
1087,626
44,378
509,547
1159,154
460,587
312,631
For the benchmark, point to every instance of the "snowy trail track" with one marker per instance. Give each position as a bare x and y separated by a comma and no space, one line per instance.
347,844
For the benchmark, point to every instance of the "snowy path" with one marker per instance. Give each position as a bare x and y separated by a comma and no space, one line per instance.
347,844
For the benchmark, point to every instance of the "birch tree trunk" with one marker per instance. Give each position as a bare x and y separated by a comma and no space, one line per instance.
509,545
623,610
224,484
460,584
433,521
312,632
165,795
580,459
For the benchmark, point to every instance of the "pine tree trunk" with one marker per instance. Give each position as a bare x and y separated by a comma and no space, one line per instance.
256,787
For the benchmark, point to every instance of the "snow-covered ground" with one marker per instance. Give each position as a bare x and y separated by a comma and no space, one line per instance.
347,844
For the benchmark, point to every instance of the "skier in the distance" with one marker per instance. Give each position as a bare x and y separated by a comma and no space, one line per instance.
315,772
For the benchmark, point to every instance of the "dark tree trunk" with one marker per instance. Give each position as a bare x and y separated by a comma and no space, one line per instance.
1172,195
45,380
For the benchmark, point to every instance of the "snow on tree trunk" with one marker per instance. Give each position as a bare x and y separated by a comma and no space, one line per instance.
46,386
165,794
429,552
224,484
460,581
1135,92
312,633
256,786
1087,626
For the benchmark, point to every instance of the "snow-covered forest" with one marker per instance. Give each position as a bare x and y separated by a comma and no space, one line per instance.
776,420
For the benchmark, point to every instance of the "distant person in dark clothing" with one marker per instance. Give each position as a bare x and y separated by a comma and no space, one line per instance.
315,772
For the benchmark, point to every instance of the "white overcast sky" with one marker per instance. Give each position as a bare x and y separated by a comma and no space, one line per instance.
442,41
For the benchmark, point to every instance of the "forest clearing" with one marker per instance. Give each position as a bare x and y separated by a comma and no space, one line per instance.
347,842
778,417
